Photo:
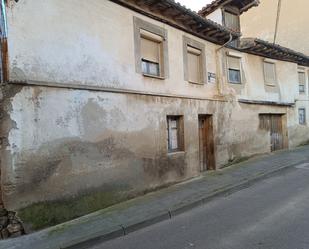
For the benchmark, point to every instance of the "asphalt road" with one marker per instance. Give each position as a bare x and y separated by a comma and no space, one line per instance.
271,214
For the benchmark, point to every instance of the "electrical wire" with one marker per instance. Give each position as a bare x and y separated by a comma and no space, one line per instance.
277,21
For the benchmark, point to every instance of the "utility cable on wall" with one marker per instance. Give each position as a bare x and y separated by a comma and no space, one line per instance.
277,20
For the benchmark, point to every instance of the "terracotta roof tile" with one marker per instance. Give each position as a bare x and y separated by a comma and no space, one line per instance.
244,5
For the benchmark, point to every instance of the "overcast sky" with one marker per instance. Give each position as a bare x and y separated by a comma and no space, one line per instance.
194,4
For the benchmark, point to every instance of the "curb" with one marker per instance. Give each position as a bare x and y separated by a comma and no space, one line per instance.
84,243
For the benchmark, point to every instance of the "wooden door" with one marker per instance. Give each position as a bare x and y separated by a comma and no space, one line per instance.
276,132
273,124
206,143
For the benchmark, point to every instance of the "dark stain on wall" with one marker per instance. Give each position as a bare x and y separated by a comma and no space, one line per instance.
39,166
159,166
58,156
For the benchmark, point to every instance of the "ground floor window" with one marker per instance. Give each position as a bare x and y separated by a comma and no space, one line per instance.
175,133
302,116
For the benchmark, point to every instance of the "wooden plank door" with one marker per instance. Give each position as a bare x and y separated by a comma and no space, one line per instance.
273,124
276,132
206,143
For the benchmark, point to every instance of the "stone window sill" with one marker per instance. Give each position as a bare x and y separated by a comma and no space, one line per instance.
153,76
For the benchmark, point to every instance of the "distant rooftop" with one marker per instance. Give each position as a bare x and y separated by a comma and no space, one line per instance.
266,49
242,5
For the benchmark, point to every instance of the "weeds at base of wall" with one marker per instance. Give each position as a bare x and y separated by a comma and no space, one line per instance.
45,214
237,160
304,144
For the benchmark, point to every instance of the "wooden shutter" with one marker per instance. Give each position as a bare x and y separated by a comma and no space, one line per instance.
301,78
194,65
269,72
233,63
302,82
232,21
150,50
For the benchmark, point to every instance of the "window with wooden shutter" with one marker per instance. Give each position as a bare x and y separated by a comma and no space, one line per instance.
302,82
234,69
302,116
231,21
175,133
194,64
151,47
270,73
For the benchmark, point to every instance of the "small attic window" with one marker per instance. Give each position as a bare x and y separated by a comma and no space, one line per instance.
231,21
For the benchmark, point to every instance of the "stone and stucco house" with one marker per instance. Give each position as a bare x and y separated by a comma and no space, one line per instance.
110,99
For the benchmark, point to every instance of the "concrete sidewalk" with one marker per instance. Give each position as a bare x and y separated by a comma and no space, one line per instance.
164,204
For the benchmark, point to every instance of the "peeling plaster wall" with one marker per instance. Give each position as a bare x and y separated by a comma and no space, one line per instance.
63,143
68,142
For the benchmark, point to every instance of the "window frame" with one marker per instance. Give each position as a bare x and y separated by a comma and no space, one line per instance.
229,11
229,68
304,122
188,42
199,69
148,63
299,83
267,82
140,26
180,133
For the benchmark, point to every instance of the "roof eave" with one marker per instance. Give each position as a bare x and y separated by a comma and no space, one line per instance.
200,27
210,8
274,51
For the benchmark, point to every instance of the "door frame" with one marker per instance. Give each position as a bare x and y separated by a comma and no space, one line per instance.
207,159
282,125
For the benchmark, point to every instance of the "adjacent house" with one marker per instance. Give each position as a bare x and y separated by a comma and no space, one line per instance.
292,19
113,98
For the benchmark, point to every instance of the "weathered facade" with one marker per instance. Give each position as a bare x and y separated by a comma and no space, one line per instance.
80,117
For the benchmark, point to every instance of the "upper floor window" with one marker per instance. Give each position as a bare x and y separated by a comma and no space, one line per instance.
194,61
234,69
231,21
151,50
194,64
302,116
302,82
270,73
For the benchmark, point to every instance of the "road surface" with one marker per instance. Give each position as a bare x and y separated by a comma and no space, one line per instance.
271,214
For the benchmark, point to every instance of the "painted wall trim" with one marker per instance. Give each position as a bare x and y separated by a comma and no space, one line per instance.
111,90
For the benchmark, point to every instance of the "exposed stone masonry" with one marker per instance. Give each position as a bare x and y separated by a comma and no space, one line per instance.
10,225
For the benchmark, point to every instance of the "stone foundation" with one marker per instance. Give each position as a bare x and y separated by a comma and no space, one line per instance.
10,225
